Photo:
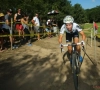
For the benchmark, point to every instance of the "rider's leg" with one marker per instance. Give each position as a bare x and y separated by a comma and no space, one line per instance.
69,41
76,40
69,53
69,49
78,48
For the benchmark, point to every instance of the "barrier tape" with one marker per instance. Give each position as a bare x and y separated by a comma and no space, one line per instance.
31,25
26,24
26,34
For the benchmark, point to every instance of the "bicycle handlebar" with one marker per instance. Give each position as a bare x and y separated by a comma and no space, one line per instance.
72,44
63,45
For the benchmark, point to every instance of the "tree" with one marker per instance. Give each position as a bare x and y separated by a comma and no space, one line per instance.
79,14
42,7
93,14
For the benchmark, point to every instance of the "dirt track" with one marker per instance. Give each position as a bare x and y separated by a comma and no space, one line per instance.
39,67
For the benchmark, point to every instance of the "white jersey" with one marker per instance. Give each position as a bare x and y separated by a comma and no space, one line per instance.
37,23
75,27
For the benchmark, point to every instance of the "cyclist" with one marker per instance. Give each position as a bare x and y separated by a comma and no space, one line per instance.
72,30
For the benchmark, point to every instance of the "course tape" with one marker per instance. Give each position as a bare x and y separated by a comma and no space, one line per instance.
31,25
25,34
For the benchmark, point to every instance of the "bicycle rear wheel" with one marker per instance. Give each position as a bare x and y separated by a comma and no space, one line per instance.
74,70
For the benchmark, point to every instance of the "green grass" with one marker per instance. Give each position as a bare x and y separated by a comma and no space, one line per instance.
87,28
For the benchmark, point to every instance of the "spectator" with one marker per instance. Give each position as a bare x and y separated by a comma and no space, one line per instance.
17,19
7,26
54,25
1,31
36,24
95,26
24,22
49,27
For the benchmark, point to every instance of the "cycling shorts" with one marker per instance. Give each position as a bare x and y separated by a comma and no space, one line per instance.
69,36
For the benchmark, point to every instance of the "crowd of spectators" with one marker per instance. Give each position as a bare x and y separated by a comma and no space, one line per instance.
21,27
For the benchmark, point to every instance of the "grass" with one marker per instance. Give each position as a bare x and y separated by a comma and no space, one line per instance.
87,29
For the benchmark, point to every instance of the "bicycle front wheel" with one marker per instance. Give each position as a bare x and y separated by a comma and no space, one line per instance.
74,70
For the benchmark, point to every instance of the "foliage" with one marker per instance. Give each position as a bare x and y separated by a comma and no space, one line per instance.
93,14
79,14
42,7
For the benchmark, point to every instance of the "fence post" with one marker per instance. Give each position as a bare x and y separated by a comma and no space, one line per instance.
94,41
91,37
11,32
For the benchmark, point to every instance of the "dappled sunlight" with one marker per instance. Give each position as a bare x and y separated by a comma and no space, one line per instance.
42,68
30,68
90,73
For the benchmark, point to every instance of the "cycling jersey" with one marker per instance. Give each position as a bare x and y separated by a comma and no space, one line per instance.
75,28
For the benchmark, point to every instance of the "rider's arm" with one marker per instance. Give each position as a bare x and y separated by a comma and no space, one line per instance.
60,38
80,31
83,35
61,34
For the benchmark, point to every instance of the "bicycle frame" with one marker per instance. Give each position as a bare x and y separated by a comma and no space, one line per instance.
75,62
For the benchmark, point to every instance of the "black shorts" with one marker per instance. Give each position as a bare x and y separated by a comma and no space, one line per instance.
7,31
69,36
1,31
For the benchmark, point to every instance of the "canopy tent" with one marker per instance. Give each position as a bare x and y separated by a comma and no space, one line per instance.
53,12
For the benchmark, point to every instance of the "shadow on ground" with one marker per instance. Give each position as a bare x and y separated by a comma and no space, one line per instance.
47,73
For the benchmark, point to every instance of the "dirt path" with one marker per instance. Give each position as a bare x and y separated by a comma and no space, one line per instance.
40,67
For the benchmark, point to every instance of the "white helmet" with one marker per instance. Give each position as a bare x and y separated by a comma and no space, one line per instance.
68,19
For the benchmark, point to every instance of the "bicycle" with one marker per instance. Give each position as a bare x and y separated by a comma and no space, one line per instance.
75,62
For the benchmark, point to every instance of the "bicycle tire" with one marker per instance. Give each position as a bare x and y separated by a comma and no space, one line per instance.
74,70
77,63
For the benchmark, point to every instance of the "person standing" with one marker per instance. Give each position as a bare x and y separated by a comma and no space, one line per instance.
95,27
1,31
54,26
7,26
24,22
17,20
36,24
49,27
